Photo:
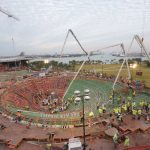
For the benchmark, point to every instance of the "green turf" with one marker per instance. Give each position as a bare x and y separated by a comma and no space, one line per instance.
7,76
99,92
112,69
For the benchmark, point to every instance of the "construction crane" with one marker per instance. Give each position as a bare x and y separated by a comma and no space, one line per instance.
8,14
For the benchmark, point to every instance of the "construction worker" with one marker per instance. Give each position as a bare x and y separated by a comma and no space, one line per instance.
115,141
139,112
116,111
119,99
91,114
110,97
133,104
100,111
120,120
133,94
129,98
134,113
29,124
146,107
141,104
119,110
18,116
65,146
128,107
124,108
48,146
123,100
97,105
147,118
103,108
126,142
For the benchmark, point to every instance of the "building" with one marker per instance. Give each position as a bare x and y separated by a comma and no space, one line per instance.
12,63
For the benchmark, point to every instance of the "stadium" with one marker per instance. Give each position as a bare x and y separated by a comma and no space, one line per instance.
88,99
42,97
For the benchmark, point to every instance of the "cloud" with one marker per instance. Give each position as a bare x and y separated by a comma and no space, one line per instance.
43,24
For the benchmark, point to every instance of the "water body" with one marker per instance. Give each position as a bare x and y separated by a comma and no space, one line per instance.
106,58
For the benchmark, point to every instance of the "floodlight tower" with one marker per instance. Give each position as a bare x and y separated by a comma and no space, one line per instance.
9,14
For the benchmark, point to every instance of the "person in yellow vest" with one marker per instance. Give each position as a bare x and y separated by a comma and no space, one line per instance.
100,112
128,106
119,110
129,98
124,108
116,111
133,104
139,112
115,141
134,113
103,108
97,105
120,120
147,118
126,142
91,115
142,104
110,97
133,94
48,146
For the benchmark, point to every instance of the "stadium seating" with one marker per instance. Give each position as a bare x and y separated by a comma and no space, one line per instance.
31,91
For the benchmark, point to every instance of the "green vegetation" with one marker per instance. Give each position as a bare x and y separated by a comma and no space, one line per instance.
99,92
58,66
7,76
112,69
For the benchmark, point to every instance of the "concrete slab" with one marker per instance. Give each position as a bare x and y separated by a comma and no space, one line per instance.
133,125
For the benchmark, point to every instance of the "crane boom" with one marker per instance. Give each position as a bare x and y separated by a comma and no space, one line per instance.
8,14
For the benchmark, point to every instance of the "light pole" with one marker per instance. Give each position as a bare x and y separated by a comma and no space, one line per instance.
82,98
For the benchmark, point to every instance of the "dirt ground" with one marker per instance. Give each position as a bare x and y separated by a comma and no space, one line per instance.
96,139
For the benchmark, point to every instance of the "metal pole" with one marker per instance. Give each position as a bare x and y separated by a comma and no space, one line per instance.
84,142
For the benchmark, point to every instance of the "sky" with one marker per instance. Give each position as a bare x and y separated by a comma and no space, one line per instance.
44,24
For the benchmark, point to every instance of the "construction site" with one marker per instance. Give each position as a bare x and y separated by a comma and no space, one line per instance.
86,105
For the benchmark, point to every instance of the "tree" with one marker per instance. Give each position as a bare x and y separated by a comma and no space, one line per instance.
72,64
147,63
54,64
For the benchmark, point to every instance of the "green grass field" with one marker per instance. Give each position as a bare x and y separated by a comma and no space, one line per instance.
99,92
7,76
112,69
